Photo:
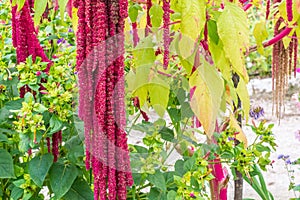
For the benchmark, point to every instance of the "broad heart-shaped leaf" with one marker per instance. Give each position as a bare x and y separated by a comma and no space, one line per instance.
80,190
158,180
39,167
6,165
61,178
233,31
193,17
207,97
55,124
39,9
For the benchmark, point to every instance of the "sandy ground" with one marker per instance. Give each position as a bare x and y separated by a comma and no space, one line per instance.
276,177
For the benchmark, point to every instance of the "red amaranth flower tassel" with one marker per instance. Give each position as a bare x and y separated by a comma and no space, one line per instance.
55,145
149,25
289,10
268,9
135,35
295,46
48,144
166,35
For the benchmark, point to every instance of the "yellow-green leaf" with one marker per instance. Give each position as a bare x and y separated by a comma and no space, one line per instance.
207,97
233,123
283,13
260,33
193,17
233,31
242,92
74,19
62,7
39,9
20,4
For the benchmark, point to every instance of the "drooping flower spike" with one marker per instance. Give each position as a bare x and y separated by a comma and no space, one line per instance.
100,66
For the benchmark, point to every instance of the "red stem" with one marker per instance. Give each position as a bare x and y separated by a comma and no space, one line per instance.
246,7
278,37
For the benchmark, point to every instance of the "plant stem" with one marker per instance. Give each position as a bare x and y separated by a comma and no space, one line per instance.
238,182
272,41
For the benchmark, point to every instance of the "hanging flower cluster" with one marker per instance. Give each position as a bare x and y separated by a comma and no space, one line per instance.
166,35
25,41
149,25
24,36
100,66
283,64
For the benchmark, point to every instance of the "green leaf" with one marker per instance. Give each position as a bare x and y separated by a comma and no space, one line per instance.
55,124
6,165
39,9
3,138
167,134
158,180
29,98
159,95
40,108
80,190
62,7
193,17
156,13
233,30
144,53
133,12
75,148
16,193
14,105
206,100
39,167
260,33
61,178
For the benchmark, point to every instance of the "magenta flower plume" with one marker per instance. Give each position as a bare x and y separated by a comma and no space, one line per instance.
289,9
100,69
166,34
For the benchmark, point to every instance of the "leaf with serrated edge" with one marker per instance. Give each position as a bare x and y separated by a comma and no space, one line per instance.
234,32
207,97
193,17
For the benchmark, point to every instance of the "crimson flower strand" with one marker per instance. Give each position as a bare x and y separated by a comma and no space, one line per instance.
100,66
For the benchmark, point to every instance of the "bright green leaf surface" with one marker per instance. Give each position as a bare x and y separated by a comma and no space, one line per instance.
6,165
39,167
80,190
158,180
156,14
62,178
